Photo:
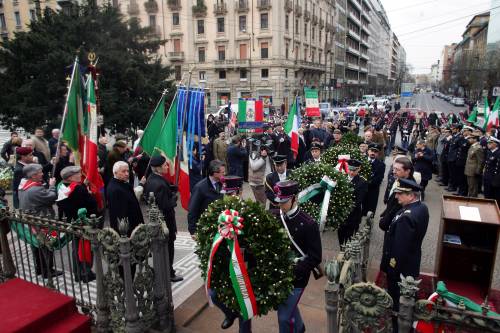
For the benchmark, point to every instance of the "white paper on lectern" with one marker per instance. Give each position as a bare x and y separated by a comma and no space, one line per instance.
469,213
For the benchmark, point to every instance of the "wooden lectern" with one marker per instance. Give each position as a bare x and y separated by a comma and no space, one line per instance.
468,241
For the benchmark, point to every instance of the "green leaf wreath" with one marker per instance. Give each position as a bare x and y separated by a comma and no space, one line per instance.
341,200
267,250
331,157
351,139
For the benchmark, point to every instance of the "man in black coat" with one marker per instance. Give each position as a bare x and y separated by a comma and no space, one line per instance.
73,195
166,202
378,171
452,156
491,175
204,193
360,185
459,169
403,242
24,156
422,162
236,156
282,143
121,199
280,174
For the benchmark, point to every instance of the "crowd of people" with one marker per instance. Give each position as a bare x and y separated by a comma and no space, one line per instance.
465,159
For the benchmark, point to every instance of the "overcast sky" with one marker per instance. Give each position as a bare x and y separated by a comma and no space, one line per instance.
412,20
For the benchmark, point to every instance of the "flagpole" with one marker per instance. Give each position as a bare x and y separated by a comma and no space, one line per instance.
65,111
181,145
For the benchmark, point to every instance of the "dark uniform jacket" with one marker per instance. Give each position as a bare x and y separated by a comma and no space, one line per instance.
403,242
453,150
424,164
371,198
79,198
123,203
392,206
282,146
203,195
492,168
360,189
164,198
463,148
271,180
305,232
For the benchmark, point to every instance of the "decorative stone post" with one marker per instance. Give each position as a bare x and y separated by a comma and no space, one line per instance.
8,270
132,323
160,276
332,295
408,288
102,321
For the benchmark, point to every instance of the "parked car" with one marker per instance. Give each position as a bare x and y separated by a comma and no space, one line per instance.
368,98
457,101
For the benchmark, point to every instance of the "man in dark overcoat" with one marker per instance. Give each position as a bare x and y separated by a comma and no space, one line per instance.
166,201
378,171
422,162
280,174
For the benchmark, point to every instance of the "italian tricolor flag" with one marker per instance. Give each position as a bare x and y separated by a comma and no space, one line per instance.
312,103
491,119
250,114
166,145
292,127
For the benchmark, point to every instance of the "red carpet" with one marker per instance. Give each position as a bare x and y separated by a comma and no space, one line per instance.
26,307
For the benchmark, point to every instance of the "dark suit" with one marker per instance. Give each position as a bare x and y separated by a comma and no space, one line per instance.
282,146
403,246
451,160
236,157
271,180
203,195
392,206
491,176
352,222
371,199
166,201
459,170
423,165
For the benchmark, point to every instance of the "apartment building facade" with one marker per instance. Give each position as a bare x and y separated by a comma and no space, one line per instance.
16,15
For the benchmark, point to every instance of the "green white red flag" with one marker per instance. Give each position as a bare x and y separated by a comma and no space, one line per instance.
492,120
312,103
154,126
72,131
291,127
90,166
250,114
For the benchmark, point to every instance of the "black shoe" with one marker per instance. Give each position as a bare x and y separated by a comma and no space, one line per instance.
450,189
176,278
53,273
89,277
228,322
457,194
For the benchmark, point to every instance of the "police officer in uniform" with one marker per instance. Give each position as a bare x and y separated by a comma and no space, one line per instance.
305,240
280,174
463,148
491,176
378,170
403,242
360,186
474,165
452,157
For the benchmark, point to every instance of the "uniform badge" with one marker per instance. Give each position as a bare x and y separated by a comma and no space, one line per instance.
392,263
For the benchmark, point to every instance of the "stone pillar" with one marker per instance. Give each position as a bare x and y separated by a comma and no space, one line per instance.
332,295
408,289
8,270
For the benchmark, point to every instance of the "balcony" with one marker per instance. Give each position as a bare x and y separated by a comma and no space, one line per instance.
353,50
242,6
307,15
364,41
133,9
354,18
364,27
220,9
365,56
321,23
242,63
315,20
353,34
176,56
366,15
199,10
363,69
356,4
151,6
174,5
352,81
298,11
352,66
224,64
264,4
288,6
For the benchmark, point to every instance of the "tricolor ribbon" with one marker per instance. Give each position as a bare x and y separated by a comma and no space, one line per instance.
342,163
230,226
326,186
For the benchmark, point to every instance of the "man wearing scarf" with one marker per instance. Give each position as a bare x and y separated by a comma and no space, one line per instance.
36,198
71,196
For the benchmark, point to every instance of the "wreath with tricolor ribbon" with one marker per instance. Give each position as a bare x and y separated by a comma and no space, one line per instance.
245,256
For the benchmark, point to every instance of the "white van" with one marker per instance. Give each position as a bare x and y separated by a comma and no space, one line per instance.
222,108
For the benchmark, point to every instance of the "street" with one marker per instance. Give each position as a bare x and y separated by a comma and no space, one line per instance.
426,103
